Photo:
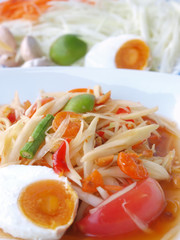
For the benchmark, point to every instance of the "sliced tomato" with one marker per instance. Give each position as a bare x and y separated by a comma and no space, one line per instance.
146,201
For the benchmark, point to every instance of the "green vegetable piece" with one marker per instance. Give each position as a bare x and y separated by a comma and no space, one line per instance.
67,49
80,104
38,136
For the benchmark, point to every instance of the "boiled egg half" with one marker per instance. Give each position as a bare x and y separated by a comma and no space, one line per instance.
35,202
124,51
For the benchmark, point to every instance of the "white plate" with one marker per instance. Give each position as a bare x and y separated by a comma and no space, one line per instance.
149,88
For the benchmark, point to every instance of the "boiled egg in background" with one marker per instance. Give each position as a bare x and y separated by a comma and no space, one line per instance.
124,51
35,203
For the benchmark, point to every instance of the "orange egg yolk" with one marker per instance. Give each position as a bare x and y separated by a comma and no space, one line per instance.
133,54
48,203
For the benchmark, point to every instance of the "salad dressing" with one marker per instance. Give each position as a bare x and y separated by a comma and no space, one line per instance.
165,222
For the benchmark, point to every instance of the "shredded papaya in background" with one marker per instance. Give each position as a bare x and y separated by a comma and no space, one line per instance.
27,9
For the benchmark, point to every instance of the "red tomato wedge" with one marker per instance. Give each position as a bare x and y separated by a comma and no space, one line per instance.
144,202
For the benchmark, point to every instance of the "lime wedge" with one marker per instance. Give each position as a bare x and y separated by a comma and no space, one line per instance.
67,49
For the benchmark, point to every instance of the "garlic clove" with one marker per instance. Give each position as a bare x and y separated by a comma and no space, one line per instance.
30,49
8,60
7,41
38,62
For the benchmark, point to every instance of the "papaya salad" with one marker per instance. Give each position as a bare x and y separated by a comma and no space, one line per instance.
114,166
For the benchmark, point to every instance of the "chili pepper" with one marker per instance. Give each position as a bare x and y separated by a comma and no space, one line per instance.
123,110
59,158
12,116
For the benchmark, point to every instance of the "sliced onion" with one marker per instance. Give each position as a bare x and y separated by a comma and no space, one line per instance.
140,224
114,196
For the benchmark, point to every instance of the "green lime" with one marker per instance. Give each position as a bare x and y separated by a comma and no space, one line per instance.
67,49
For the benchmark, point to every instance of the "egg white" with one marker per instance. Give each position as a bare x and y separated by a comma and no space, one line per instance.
12,180
102,54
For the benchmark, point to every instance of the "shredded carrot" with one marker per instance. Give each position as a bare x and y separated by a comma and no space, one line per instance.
103,98
43,101
73,126
81,90
25,9
26,105
112,188
91,2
